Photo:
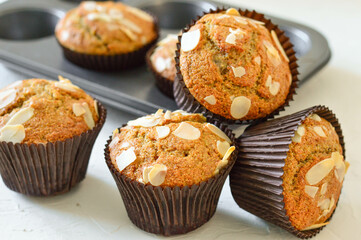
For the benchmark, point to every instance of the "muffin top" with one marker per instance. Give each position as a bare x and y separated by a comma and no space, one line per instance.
41,111
234,66
313,173
163,55
105,28
170,149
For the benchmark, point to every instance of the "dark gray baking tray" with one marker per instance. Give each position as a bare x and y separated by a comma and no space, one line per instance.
27,45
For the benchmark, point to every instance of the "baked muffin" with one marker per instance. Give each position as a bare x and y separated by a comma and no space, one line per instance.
296,175
168,158
114,34
160,60
234,67
54,124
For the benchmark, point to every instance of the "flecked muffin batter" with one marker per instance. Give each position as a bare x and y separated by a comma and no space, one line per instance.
41,111
170,149
234,66
163,57
313,174
105,28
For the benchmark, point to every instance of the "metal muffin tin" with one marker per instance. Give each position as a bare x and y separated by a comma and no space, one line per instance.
27,44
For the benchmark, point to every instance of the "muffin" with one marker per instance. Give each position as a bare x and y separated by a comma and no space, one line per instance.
290,170
170,169
234,65
160,60
106,35
47,130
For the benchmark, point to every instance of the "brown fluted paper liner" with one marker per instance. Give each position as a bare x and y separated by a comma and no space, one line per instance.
256,178
170,210
51,168
165,85
187,102
114,62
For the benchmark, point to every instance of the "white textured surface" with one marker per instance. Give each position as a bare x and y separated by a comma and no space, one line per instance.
94,209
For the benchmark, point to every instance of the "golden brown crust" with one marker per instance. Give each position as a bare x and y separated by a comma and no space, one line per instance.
105,28
162,57
303,200
51,103
187,161
227,42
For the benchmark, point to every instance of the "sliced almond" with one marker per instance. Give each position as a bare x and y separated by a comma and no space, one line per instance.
64,35
315,117
89,5
222,147
114,142
231,38
314,226
146,171
238,71
332,203
94,16
299,133
187,131
66,86
257,60
141,14
126,158
157,175
340,165
318,130
347,164
324,188
190,40
324,204
160,64
124,145
218,132
88,116
147,121
162,131
278,44
184,113
320,171
96,107
126,31
239,131
297,138
240,107
168,114
211,99
21,116
272,53
115,132
12,133
7,96
240,20
224,160
301,130
228,153
232,11
158,113
78,109
311,191
274,88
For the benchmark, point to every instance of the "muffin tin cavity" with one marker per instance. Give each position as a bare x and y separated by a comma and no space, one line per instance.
176,14
27,23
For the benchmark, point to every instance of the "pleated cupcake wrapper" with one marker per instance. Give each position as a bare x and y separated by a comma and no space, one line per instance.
51,168
165,85
256,178
114,62
170,210
186,101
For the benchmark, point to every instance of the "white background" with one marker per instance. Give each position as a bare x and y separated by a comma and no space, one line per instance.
94,209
